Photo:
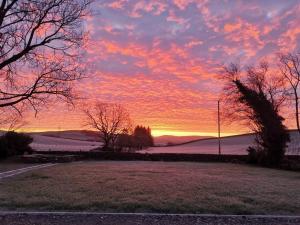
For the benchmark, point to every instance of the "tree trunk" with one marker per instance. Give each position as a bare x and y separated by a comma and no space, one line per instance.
297,110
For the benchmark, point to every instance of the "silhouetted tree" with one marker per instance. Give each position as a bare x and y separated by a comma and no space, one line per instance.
40,42
142,137
12,143
110,120
125,141
290,69
11,120
257,100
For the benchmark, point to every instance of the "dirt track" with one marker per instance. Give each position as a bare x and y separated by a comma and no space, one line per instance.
12,218
11,173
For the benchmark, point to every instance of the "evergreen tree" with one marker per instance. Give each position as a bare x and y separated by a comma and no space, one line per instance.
142,137
251,97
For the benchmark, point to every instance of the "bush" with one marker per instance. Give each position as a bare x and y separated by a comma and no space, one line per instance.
256,156
13,143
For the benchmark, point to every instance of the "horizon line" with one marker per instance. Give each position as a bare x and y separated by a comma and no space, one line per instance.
155,133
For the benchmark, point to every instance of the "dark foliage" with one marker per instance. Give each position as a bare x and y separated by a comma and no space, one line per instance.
256,155
273,135
256,100
125,142
13,143
142,137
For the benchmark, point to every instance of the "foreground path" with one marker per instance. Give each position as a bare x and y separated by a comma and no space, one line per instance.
66,218
23,170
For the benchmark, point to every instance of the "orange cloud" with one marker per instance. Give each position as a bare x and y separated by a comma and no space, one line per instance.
159,61
230,27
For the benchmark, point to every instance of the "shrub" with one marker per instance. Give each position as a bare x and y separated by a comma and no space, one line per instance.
12,143
256,155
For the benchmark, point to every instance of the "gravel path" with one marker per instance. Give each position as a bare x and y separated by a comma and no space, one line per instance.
23,170
60,218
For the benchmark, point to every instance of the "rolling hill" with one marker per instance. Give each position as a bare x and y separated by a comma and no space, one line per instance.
229,145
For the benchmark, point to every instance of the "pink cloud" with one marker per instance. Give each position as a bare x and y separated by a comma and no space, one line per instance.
173,18
154,7
117,4
182,4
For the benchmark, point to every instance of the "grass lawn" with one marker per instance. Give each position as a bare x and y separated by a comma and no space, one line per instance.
13,164
171,187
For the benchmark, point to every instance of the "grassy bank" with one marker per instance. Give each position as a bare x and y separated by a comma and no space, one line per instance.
154,187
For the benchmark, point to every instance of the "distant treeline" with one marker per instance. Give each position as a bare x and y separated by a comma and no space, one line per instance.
139,139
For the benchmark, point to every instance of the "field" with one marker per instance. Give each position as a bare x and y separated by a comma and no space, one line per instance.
49,143
236,145
154,187
229,145
78,141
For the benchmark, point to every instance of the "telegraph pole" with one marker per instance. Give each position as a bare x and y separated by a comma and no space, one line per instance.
219,128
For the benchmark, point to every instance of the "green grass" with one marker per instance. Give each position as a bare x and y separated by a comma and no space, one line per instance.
154,187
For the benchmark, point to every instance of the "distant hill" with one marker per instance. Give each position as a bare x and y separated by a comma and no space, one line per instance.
236,144
87,135
82,135
83,140
174,140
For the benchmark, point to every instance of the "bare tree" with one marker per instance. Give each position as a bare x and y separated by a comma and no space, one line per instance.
290,69
11,120
40,44
110,120
257,78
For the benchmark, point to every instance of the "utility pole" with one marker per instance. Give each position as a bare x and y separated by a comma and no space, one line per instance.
219,128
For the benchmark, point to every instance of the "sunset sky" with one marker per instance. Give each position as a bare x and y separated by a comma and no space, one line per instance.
161,59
